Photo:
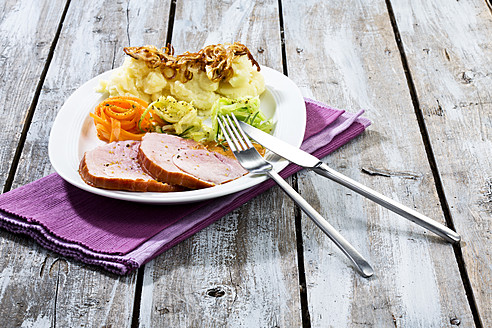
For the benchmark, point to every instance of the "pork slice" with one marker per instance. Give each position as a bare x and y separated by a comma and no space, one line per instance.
183,162
208,166
115,166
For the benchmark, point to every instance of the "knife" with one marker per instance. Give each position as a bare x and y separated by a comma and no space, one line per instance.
304,159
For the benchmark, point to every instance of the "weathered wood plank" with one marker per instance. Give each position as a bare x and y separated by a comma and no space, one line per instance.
241,271
344,53
90,43
449,50
218,279
26,35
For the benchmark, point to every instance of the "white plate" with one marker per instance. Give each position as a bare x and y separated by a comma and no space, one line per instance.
73,133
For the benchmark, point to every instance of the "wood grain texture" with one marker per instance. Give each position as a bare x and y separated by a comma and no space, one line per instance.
26,32
351,61
90,43
449,51
241,271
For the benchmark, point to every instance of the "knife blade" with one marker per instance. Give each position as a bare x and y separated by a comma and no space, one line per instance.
279,147
301,158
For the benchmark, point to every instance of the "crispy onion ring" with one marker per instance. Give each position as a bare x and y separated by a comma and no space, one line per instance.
214,60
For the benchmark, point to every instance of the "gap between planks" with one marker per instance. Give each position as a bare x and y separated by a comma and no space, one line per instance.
170,22
303,296
433,164
137,301
27,125
34,103
298,216
489,4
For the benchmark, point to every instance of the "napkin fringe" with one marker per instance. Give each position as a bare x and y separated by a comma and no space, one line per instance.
46,240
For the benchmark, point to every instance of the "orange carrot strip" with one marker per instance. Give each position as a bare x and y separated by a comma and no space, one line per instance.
117,118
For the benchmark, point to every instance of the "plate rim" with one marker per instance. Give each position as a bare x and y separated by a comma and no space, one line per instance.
55,143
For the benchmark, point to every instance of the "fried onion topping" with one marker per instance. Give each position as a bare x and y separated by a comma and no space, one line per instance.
214,60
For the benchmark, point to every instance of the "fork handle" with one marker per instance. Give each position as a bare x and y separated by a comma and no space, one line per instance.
390,204
361,264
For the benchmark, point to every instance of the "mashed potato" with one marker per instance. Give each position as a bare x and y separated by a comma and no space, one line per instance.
138,78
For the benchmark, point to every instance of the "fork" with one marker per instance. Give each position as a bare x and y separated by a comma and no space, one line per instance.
251,160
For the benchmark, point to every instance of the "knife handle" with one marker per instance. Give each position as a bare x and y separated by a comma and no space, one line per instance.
420,219
362,265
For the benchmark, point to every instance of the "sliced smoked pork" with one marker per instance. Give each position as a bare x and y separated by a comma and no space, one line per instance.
185,162
115,166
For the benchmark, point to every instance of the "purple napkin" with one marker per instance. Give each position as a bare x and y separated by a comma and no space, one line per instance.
121,236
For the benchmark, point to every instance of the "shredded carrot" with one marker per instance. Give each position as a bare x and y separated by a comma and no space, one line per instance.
117,118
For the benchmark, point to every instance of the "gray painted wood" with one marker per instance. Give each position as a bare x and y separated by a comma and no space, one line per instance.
345,54
74,294
449,51
26,34
241,271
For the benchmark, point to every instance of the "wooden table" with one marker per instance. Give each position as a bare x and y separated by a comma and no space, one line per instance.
422,71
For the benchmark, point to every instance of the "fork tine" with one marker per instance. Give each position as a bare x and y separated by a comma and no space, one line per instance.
244,135
240,139
231,140
252,161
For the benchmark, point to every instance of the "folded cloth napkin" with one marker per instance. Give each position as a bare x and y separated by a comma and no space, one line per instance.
121,236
